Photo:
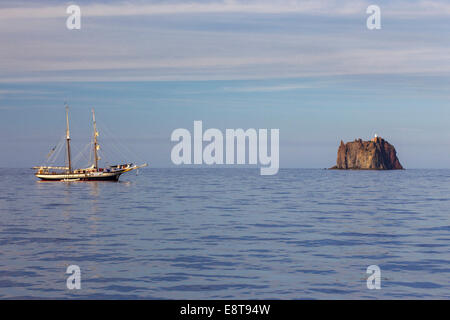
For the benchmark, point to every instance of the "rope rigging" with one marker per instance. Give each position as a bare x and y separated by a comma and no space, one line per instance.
112,152
117,145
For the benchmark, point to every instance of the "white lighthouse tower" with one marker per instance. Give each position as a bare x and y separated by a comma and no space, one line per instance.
374,139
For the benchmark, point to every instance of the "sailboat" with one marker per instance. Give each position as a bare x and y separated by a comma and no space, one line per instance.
92,173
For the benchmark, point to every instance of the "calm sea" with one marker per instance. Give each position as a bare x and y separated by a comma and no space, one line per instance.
227,234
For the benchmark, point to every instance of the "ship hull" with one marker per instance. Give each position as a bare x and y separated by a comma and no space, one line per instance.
110,176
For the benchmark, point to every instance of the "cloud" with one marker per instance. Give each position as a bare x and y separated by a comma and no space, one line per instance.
309,7
186,43
23,91
116,9
276,88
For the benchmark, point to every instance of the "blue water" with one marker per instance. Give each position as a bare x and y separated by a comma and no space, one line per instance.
227,234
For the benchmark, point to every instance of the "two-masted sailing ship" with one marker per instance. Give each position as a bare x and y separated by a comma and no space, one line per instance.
91,173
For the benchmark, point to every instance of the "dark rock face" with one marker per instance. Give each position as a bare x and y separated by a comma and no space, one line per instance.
376,154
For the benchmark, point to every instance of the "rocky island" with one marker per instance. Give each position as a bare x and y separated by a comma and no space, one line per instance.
376,154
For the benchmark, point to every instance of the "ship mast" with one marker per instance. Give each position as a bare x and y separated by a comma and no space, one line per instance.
68,139
96,146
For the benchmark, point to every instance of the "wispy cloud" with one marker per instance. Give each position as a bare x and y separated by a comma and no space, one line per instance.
275,88
23,91
311,7
277,39
137,8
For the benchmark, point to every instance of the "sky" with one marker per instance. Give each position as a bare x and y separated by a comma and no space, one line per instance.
309,68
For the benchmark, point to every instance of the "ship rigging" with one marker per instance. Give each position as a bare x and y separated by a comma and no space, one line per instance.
91,173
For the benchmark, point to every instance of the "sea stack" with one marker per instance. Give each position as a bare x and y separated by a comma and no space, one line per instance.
376,154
